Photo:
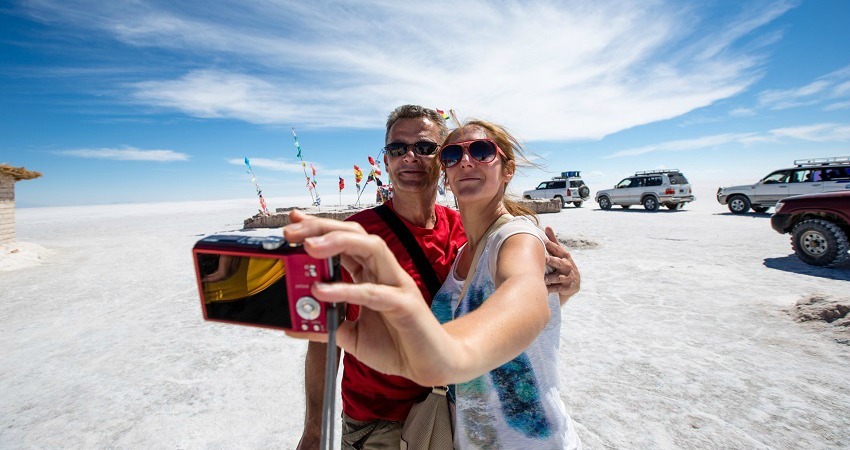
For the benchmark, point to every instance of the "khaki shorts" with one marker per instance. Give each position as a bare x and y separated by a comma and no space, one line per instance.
374,435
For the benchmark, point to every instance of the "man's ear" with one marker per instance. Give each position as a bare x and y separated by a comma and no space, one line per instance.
385,160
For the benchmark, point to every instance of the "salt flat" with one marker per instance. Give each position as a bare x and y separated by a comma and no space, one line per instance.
680,337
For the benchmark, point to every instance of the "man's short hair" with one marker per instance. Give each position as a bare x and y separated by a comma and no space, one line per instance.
416,112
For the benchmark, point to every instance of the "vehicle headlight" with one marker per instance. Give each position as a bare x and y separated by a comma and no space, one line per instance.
778,206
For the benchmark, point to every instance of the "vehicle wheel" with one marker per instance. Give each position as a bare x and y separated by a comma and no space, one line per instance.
604,203
561,199
578,204
625,206
584,192
527,197
820,242
650,203
739,204
759,209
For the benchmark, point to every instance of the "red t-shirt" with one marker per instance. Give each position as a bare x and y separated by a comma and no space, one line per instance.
370,395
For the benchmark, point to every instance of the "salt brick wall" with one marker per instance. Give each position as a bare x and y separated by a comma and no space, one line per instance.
7,209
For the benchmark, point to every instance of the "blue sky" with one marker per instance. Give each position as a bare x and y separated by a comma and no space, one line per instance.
144,101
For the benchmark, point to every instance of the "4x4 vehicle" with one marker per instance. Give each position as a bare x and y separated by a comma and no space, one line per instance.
809,176
650,188
819,225
569,188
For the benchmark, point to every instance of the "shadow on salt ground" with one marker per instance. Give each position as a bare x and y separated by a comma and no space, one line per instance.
752,215
640,210
793,264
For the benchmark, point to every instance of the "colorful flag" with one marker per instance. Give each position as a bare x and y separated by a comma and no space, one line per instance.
375,167
341,183
358,174
313,169
297,145
443,113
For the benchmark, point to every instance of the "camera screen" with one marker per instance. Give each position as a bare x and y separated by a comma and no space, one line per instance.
244,289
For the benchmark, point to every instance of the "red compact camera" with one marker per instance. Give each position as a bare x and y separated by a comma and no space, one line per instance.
262,281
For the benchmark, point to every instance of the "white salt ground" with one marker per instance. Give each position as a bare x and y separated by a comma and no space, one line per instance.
680,337
20,255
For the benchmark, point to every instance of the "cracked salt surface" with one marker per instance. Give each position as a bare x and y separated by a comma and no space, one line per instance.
681,342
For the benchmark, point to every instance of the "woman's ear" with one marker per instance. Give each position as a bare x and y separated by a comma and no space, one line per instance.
508,170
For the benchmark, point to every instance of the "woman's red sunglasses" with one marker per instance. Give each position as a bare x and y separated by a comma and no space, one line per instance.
481,150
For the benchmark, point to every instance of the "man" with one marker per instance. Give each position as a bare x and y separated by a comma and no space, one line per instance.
374,404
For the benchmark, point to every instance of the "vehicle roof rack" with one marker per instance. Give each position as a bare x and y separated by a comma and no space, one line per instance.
822,161
567,174
649,172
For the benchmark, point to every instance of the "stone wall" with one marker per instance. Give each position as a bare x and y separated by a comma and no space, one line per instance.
7,209
542,206
280,217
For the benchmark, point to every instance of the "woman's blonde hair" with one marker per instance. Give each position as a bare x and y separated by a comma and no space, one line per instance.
514,155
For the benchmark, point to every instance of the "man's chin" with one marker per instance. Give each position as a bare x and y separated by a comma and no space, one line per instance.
420,186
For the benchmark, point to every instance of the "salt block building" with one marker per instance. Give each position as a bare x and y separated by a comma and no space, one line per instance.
8,177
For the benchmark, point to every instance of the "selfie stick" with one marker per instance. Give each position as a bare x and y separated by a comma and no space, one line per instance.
329,401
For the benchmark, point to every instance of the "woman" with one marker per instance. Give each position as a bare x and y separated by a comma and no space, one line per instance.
498,344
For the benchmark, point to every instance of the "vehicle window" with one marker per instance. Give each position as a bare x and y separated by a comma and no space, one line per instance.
776,177
559,185
803,176
677,178
654,181
625,183
836,173
542,185
574,183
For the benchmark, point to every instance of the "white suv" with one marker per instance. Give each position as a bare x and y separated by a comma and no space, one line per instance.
568,188
650,188
809,176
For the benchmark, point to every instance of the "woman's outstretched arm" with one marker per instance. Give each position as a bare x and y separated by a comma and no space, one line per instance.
396,332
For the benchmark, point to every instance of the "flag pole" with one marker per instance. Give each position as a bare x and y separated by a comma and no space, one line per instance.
250,171
304,168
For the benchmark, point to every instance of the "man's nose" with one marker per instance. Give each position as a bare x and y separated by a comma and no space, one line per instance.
410,151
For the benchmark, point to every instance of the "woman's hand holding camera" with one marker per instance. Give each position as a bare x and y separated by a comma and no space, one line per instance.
395,332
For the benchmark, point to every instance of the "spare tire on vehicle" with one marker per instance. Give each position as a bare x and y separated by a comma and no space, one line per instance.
584,192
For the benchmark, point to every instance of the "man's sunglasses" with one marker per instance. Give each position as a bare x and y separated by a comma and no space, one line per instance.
482,150
425,148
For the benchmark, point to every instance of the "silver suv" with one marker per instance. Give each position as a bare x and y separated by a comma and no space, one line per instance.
568,188
650,188
809,176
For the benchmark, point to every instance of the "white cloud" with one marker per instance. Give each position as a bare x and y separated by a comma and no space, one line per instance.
687,144
824,132
836,106
547,70
832,87
272,164
127,154
742,112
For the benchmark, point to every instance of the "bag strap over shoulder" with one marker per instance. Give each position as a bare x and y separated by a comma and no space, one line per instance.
423,266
